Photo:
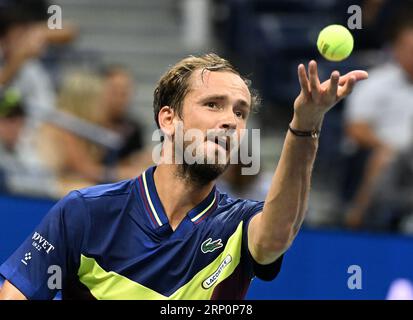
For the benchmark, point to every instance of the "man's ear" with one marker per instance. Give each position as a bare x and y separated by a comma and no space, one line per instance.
166,118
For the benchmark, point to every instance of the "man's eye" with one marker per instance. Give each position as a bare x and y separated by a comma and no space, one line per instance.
211,104
239,114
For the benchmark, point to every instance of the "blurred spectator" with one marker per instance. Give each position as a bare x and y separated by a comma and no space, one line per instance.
21,44
24,36
15,176
379,117
12,119
376,21
78,159
117,96
392,203
74,160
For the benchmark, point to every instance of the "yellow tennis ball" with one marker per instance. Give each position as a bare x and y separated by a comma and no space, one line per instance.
335,42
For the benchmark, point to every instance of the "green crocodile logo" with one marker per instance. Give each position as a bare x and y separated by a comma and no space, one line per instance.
210,246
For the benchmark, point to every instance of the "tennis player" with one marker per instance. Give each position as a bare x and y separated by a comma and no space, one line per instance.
170,233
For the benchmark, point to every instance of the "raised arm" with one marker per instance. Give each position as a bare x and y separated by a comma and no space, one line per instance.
21,48
272,231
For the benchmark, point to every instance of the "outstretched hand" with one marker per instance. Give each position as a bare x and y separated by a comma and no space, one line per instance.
316,98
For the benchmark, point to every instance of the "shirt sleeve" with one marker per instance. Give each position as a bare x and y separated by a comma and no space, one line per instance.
266,272
39,267
362,104
36,89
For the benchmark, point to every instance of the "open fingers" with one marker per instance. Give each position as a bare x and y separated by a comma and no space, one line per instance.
314,81
302,77
336,87
346,83
345,90
358,74
333,86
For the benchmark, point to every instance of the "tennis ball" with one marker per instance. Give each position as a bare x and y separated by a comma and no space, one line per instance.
335,42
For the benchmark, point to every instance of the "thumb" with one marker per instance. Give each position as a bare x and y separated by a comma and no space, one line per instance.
357,74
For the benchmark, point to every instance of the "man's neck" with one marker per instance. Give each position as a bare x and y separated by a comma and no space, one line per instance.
178,195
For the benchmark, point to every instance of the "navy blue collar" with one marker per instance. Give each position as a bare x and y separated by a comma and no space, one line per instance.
154,207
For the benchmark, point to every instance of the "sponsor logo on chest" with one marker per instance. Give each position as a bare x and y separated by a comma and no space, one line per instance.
210,246
213,278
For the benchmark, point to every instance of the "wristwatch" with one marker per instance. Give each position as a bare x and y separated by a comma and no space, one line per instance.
315,134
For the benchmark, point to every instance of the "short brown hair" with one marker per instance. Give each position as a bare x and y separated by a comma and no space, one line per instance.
400,21
174,84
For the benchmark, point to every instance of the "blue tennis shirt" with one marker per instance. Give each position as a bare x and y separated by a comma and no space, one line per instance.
114,242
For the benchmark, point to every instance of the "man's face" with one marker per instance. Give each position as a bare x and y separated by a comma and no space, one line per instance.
217,103
404,51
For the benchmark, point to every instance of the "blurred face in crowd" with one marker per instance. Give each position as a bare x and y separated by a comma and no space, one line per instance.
219,102
403,49
118,93
25,40
13,35
10,129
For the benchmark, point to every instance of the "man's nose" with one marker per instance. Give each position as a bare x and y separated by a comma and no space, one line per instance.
228,121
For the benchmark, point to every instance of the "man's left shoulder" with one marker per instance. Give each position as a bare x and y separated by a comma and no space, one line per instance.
107,190
237,209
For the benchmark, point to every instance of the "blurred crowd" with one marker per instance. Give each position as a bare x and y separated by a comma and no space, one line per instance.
364,169
64,136
56,136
